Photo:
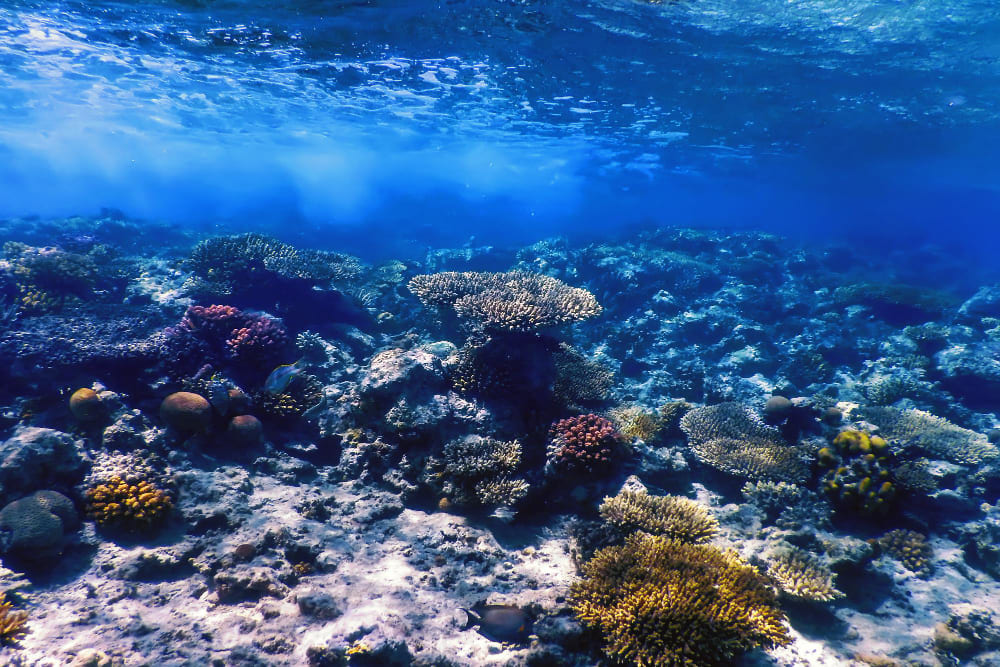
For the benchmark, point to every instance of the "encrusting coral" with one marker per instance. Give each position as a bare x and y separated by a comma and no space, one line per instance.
732,438
663,603
800,575
674,517
132,505
515,301
12,623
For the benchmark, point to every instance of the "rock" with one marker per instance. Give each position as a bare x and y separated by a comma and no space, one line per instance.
317,604
186,412
34,458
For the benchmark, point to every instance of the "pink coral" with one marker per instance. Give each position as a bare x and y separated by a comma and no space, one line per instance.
583,444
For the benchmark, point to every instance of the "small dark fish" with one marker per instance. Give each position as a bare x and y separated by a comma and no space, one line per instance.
500,622
279,379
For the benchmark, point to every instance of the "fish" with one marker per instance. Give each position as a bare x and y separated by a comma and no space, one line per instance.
279,379
504,623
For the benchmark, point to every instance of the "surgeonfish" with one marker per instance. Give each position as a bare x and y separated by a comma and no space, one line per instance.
500,622
279,379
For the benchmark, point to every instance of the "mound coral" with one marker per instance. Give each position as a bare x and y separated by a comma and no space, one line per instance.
673,517
186,412
579,380
859,475
85,404
478,471
34,526
134,505
662,603
583,444
515,301
937,436
732,438
908,547
12,623
801,575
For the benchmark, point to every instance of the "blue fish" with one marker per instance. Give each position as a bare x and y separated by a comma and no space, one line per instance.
279,379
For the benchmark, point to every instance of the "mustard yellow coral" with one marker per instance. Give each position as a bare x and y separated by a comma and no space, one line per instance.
12,623
671,516
663,603
131,505
908,547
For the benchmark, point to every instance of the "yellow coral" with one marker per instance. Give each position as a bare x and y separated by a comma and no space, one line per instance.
671,516
12,623
636,422
132,505
908,547
662,603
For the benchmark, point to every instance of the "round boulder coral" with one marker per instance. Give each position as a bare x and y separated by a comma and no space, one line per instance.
35,526
186,412
245,430
85,404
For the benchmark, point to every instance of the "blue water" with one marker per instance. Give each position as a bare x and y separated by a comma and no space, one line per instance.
869,121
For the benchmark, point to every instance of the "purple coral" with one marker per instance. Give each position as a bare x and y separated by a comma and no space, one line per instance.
263,338
583,444
224,335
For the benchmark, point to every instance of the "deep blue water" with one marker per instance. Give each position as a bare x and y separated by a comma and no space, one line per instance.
870,121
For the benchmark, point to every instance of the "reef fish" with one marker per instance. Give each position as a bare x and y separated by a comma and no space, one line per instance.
500,622
279,379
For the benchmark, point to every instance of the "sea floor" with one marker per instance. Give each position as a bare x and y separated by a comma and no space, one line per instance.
288,455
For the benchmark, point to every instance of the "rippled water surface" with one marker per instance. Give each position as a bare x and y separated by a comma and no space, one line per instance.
782,114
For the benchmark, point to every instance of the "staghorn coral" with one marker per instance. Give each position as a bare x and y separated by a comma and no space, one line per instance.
478,471
732,438
583,444
908,547
130,503
674,517
800,575
661,603
515,301
12,623
937,436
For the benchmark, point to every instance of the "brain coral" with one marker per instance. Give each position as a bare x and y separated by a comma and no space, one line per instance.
513,301
663,603
732,438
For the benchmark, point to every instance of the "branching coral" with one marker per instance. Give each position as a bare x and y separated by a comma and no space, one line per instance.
673,517
130,504
12,623
514,301
663,603
634,421
801,575
479,471
937,436
303,393
732,438
579,380
583,444
908,547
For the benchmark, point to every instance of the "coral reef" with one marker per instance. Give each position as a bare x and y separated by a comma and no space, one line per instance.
673,517
859,473
478,471
934,435
660,602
